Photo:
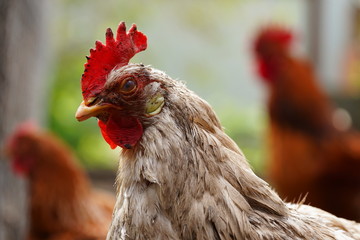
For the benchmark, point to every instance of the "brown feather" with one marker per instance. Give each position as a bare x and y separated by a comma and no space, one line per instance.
186,179
62,203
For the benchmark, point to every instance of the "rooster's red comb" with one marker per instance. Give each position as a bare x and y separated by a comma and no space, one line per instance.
115,53
271,39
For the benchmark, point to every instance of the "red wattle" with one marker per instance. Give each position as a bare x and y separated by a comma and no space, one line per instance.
23,166
263,70
102,126
121,131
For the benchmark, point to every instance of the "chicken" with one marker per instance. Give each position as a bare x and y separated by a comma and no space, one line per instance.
309,155
62,205
180,176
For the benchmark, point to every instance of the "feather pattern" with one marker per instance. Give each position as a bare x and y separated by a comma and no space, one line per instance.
186,179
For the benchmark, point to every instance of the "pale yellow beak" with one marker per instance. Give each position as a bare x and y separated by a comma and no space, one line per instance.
84,112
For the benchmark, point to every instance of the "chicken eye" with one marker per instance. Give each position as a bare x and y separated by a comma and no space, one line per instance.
128,86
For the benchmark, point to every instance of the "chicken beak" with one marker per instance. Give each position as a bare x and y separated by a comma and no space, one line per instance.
84,112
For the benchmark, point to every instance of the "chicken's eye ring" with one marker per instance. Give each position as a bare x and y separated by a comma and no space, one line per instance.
128,86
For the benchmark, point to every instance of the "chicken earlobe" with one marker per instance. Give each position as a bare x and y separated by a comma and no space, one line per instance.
154,105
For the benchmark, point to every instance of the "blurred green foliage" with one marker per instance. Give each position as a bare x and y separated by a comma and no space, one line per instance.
247,128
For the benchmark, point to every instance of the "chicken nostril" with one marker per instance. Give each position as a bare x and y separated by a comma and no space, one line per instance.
91,101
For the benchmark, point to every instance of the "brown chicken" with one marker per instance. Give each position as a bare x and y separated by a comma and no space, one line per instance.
309,155
62,205
180,176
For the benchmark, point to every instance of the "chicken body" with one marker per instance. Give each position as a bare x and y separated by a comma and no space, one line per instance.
309,155
185,178
62,204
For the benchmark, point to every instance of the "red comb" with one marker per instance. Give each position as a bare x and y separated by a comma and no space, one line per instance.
104,58
23,129
272,39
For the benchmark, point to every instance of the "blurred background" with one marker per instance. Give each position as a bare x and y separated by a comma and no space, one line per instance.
207,44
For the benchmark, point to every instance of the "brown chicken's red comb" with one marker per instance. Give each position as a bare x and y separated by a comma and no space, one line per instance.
23,129
271,39
114,54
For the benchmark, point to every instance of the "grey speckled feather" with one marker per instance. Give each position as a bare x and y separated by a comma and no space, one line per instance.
186,179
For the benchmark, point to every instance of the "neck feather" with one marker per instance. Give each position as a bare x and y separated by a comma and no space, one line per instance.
187,159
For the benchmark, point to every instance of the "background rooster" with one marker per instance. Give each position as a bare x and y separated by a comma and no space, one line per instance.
180,176
309,155
62,204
